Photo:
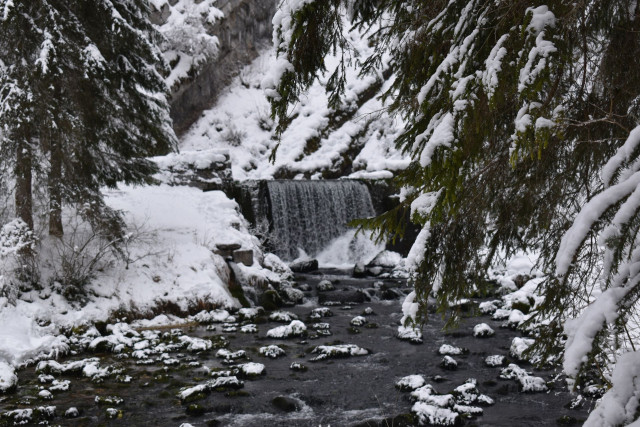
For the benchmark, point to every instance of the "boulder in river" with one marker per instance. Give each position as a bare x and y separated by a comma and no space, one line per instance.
304,265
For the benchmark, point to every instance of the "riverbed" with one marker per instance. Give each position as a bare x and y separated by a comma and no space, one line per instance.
147,380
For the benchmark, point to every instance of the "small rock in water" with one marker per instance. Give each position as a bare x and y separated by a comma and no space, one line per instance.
60,385
483,330
340,350
213,316
72,412
250,313
45,379
291,294
45,395
515,319
410,382
358,321
272,351
449,363
489,307
501,314
231,355
252,369
528,382
322,325
304,287
195,344
113,413
519,346
409,333
229,327
303,266
8,377
282,316
368,311
285,404
249,329
296,366
109,400
324,286
320,312
495,360
295,329
359,270
446,349
171,361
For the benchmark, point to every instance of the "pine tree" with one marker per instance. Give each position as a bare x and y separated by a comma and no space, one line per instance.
522,126
82,94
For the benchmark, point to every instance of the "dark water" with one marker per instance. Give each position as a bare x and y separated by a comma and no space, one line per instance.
351,391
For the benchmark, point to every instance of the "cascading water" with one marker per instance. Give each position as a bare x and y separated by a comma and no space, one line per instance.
309,215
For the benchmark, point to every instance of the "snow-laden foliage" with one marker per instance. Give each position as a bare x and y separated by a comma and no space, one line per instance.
522,125
15,236
82,104
188,40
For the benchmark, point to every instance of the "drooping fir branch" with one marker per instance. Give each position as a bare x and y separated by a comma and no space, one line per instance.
513,109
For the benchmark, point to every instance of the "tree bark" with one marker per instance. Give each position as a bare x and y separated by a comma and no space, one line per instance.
55,195
23,173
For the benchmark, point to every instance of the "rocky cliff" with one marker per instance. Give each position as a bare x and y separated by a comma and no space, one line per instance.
242,28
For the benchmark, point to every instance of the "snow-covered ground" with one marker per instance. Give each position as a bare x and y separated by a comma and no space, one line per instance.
173,232
241,123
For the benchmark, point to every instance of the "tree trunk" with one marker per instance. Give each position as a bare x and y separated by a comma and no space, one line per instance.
24,195
55,196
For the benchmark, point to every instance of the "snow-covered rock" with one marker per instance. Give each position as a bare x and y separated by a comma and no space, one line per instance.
8,377
519,346
336,351
271,351
358,321
483,330
409,333
449,363
528,383
282,316
495,360
252,369
450,350
410,382
295,329
320,312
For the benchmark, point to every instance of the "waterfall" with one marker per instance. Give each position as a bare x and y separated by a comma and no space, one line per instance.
310,214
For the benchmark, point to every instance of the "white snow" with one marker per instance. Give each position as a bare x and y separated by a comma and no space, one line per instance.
519,345
8,378
252,368
272,351
240,123
619,405
410,382
483,330
338,350
447,349
494,360
622,156
589,214
417,251
441,136
294,329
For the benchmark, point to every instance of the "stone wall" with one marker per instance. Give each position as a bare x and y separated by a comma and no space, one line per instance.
245,29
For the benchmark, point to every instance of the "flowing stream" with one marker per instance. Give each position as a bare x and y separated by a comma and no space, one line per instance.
121,387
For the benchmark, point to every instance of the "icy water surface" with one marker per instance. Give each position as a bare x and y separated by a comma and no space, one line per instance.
132,390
